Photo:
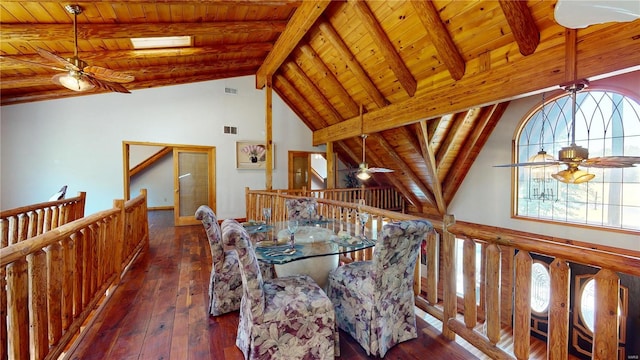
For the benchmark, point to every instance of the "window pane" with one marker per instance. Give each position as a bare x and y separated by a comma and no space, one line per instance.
540,287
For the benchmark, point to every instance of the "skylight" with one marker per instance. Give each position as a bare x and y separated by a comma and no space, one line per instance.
161,42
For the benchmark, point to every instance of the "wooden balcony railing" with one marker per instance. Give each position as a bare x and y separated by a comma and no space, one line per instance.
29,221
382,197
503,304
51,282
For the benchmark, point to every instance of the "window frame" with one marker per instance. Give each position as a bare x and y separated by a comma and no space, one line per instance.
554,96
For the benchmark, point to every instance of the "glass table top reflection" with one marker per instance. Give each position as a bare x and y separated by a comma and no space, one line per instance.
312,239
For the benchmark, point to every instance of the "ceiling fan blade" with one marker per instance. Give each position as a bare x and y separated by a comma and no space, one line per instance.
379,170
107,85
33,63
57,59
105,74
612,161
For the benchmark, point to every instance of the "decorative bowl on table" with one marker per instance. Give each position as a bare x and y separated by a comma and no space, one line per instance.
307,234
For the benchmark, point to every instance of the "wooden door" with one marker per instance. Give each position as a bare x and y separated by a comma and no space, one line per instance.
299,169
302,173
194,183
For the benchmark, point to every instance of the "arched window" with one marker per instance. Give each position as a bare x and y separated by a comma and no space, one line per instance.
607,124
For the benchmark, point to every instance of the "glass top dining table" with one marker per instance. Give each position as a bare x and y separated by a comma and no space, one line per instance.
313,238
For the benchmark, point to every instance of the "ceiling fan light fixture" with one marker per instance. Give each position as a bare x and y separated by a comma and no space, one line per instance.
72,81
363,174
573,176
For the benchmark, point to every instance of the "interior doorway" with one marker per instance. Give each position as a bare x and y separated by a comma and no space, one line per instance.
176,176
308,170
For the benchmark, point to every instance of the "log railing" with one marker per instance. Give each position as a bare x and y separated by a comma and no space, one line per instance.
507,249
382,197
51,282
505,253
29,221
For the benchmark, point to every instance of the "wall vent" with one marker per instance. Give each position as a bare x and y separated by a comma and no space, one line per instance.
230,91
230,130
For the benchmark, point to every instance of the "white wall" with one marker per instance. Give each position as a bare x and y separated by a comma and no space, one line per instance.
485,195
78,141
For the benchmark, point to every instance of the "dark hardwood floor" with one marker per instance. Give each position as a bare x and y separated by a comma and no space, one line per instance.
159,310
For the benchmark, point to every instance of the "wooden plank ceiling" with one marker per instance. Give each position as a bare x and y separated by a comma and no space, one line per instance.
433,77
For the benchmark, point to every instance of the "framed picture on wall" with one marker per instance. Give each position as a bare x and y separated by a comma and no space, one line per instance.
253,154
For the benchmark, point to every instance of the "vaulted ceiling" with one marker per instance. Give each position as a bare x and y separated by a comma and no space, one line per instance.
432,77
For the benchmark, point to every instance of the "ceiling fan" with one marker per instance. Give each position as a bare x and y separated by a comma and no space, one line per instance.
364,171
78,75
574,156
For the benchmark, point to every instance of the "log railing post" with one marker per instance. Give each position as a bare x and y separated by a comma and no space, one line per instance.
558,338
121,241
17,312
54,294
432,267
605,339
69,267
38,329
469,282
493,322
448,277
522,311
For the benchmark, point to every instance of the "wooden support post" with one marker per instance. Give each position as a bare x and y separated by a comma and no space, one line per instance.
268,135
331,166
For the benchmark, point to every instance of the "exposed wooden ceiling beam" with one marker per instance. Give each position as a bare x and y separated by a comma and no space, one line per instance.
440,37
399,68
415,141
55,32
432,169
336,86
404,167
312,91
471,148
522,25
93,57
458,130
350,60
540,70
297,27
150,160
302,105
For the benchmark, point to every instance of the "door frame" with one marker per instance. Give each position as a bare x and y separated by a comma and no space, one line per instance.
126,166
297,153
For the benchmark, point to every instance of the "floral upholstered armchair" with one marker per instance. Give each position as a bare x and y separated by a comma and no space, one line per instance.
284,318
302,209
374,300
225,283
